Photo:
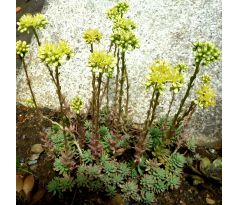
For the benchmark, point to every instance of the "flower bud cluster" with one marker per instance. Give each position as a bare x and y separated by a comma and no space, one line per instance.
206,53
22,48
27,21
92,36
206,96
76,104
55,54
118,10
102,62
125,39
123,35
178,78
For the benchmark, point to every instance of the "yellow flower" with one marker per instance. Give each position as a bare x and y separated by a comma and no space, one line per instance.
92,36
53,54
27,21
206,96
102,62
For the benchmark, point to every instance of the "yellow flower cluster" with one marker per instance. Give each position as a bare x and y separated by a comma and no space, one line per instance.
92,36
162,72
22,48
125,39
118,10
37,21
76,104
102,62
206,53
206,96
125,24
55,54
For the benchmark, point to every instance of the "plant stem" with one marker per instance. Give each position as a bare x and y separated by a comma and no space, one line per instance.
154,108
190,85
170,105
127,92
121,84
149,110
36,35
58,87
29,83
117,78
99,79
93,102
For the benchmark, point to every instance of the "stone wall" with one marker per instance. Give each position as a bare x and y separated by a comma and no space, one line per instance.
166,29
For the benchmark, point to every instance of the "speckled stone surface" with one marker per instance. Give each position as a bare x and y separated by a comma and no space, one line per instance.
166,29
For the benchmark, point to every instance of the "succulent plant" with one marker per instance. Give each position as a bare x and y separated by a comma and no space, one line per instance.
60,167
93,170
173,181
103,131
160,186
95,185
148,182
148,197
130,190
175,161
124,169
109,167
110,190
58,185
159,173
82,180
87,157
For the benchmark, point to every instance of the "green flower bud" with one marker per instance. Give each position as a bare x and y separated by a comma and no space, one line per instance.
124,24
76,104
206,79
118,10
22,48
206,53
92,36
125,39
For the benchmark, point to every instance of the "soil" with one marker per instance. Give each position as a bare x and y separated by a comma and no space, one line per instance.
30,131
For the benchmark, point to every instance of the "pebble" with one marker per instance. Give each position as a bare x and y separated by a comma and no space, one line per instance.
37,148
210,201
34,157
31,162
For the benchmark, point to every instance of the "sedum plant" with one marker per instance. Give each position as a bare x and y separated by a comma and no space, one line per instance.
22,48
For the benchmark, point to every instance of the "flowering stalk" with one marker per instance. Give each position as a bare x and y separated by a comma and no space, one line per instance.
117,79
52,55
29,83
91,37
21,49
170,106
121,85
